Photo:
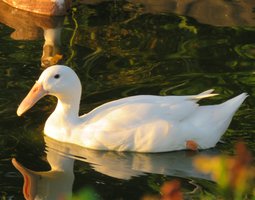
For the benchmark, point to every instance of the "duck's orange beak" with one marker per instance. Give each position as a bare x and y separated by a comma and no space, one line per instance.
36,93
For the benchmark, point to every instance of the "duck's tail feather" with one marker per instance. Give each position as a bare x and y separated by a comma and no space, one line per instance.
205,94
225,112
213,120
235,102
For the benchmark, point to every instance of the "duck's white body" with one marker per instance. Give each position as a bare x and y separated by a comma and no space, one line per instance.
142,123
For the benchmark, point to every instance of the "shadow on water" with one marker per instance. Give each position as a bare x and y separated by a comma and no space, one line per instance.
216,13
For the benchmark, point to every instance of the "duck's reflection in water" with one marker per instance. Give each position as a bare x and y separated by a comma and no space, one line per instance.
58,182
54,184
31,26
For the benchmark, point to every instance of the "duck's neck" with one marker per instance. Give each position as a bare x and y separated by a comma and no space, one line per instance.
68,108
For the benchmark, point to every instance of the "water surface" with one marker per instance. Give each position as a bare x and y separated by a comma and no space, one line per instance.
119,49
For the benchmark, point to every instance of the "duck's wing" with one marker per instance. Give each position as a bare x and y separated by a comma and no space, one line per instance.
140,123
133,109
146,106
136,125
140,108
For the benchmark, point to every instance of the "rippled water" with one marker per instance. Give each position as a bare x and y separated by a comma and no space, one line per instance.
118,49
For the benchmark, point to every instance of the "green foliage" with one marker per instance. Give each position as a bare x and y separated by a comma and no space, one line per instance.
184,25
86,194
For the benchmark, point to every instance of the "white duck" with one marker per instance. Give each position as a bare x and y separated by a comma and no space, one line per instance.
142,123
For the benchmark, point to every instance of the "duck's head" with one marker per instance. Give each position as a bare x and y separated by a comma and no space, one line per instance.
58,80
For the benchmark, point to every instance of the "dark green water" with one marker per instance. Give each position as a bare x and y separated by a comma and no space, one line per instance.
120,49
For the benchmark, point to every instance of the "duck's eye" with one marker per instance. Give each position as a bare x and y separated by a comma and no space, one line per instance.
57,76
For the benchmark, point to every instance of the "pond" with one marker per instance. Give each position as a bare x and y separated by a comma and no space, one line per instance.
120,49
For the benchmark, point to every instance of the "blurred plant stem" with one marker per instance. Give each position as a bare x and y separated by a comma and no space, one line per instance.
73,36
